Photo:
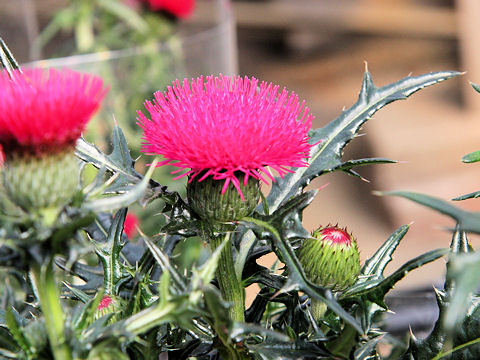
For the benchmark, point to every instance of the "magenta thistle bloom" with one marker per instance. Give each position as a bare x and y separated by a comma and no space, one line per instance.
46,111
225,126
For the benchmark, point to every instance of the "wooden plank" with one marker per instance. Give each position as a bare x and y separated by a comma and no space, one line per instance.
367,17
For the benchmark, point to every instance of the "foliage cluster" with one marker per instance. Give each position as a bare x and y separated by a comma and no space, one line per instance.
165,296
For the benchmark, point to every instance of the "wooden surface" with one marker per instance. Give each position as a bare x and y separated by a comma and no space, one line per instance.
374,17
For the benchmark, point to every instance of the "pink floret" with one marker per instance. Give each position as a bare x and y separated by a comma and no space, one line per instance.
105,302
336,235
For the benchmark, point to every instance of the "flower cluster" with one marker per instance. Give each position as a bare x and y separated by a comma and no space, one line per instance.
227,126
44,112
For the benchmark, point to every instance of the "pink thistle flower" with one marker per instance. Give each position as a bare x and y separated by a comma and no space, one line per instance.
178,8
46,111
130,225
225,126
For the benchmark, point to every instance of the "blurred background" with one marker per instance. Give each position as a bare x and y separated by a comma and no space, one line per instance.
319,49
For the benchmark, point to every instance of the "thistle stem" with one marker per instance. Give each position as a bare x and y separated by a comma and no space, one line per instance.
230,286
49,297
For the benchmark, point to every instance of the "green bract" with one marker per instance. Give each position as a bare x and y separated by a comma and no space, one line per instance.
206,199
41,185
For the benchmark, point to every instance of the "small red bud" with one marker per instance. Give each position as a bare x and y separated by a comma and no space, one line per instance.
130,225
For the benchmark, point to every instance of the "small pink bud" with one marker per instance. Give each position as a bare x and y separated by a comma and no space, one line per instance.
130,225
108,305
104,303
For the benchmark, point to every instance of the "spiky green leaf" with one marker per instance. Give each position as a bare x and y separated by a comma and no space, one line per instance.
467,221
7,59
375,265
375,289
367,351
475,86
119,161
472,157
109,253
13,321
325,155
472,195
463,270
164,262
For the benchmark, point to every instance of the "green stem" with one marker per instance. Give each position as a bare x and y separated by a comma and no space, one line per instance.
230,286
49,297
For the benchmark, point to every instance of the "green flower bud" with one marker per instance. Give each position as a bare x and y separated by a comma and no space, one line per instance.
41,185
206,199
330,258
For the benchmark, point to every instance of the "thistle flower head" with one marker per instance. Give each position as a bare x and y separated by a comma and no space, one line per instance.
226,126
178,8
42,114
45,111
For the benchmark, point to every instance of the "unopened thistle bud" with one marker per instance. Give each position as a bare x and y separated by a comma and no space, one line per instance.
106,306
330,258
